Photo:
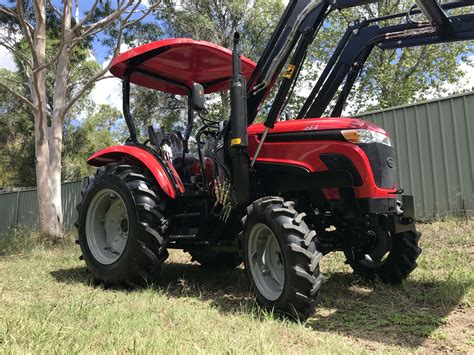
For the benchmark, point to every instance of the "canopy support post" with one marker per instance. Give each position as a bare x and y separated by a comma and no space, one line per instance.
126,106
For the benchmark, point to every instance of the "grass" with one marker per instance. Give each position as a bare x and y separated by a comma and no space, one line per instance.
49,303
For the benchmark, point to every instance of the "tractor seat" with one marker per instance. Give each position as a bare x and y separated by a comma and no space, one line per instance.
188,161
172,146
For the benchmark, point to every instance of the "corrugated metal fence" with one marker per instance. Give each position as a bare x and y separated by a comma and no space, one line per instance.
21,207
435,148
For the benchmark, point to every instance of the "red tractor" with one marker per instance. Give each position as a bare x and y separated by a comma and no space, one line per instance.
277,196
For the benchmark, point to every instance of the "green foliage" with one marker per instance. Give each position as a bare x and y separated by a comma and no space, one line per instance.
97,131
216,21
213,21
20,240
17,154
135,34
164,111
17,151
390,77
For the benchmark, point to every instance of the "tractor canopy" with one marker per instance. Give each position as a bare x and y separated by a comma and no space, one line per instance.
173,65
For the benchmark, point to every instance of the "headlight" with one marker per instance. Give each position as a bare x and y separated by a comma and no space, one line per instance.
361,136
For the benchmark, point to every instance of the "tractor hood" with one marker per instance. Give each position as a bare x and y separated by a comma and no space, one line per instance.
173,65
316,124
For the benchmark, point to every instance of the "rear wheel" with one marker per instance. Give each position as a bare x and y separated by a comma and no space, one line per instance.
392,259
216,260
281,258
121,227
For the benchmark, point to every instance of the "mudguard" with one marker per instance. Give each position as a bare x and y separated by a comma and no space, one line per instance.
143,157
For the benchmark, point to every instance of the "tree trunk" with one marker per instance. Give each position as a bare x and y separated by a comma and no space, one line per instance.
49,218
59,104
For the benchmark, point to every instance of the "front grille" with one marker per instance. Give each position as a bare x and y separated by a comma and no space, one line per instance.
383,161
338,162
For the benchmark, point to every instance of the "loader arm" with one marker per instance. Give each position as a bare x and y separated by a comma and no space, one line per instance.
349,57
300,22
298,28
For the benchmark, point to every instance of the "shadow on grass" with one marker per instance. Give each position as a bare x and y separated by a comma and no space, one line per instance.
226,290
403,315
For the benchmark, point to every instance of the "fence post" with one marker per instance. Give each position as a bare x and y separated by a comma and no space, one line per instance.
17,207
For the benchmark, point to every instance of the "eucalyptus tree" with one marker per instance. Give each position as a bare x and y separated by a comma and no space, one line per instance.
27,21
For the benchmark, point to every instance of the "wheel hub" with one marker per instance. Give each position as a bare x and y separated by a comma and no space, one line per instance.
380,250
107,226
266,261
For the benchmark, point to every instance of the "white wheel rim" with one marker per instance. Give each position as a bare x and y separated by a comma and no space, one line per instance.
266,261
107,226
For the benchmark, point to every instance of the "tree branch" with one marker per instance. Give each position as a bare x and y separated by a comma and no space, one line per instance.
20,56
55,9
121,8
26,28
100,74
131,12
8,11
52,61
78,82
145,14
105,77
87,17
417,64
19,96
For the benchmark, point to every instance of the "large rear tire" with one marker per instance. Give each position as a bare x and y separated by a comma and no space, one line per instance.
122,231
392,260
281,258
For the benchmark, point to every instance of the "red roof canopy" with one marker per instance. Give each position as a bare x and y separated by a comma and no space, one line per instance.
178,62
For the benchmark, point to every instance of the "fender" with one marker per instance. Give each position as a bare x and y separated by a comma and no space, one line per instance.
117,153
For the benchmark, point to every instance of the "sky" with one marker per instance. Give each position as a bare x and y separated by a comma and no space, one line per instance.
108,91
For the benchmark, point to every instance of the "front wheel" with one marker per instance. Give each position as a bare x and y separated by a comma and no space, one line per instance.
392,259
281,258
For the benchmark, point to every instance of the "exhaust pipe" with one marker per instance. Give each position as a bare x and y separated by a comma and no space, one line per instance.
238,125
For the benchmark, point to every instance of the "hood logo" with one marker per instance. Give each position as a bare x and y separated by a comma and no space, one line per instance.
390,162
311,128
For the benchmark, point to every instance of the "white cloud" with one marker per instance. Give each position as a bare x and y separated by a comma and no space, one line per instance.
467,82
6,59
469,70
108,91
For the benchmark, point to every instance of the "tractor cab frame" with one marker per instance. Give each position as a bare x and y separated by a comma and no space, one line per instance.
177,66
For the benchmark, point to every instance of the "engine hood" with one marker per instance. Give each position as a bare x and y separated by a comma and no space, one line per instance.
317,124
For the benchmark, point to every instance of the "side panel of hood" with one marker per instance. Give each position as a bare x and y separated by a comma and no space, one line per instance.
316,124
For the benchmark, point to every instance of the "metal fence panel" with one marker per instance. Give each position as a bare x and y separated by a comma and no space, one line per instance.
21,207
71,196
435,152
8,210
28,209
